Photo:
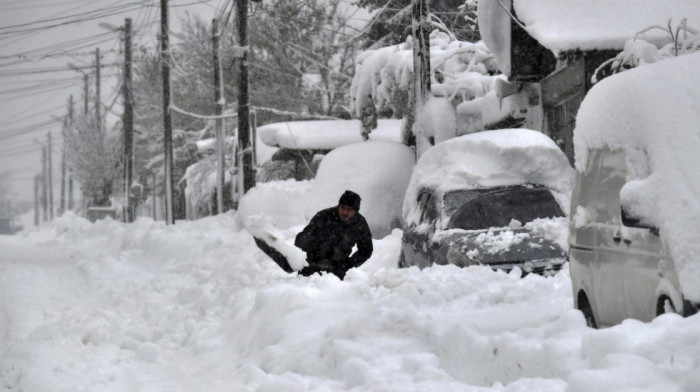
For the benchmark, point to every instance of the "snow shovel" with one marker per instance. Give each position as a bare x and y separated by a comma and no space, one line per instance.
274,254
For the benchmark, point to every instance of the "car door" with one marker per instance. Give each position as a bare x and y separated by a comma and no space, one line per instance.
595,253
610,258
430,249
641,251
416,239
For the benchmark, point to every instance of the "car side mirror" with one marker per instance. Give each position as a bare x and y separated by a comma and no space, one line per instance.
632,221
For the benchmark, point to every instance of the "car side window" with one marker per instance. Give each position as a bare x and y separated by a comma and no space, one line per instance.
430,211
598,189
613,171
422,205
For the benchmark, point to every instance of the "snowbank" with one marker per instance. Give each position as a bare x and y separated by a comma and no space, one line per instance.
196,306
652,112
489,159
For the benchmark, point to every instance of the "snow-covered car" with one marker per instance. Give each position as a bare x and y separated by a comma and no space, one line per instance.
300,145
634,231
494,198
378,171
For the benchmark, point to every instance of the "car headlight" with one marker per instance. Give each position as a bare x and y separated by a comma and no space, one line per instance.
456,257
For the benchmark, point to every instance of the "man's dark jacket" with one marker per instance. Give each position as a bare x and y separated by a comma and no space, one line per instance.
328,242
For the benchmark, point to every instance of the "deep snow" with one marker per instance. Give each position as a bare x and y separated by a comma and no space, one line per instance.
197,307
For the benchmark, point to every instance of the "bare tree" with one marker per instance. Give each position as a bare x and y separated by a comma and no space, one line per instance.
94,156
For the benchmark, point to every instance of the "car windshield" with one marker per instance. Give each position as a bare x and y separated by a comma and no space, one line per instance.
499,208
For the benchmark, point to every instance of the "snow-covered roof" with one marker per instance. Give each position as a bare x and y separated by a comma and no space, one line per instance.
563,25
654,109
489,159
263,152
325,134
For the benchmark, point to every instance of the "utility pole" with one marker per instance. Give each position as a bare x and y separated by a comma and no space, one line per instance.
128,123
50,174
98,115
66,121
421,56
71,122
167,114
44,187
254,135
70,189
87,92
37,178
154,195
245,158
219,109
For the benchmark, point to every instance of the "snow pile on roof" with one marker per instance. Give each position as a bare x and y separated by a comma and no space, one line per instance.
378,171
263,152
639,52
564,25
490,159
653,112
324,134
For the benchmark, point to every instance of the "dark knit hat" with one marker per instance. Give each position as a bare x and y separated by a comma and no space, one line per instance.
350,199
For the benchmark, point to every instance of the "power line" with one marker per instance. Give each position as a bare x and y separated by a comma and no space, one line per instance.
63,46
20,119
88,15
102,13
18,72
4,7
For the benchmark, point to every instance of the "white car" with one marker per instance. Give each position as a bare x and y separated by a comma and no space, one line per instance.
634,249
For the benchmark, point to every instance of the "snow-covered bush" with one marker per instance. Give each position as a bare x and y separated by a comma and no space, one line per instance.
683,39
463,81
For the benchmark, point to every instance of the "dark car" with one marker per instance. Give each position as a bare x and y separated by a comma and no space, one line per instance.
495,198
473,218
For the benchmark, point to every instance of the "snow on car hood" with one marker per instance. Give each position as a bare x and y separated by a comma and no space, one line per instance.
539,239
652,112
490,159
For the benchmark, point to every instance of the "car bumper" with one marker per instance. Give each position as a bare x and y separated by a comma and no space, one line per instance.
545,267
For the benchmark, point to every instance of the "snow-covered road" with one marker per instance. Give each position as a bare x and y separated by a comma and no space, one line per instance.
197,307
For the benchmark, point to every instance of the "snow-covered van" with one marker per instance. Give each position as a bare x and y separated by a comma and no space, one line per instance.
634,237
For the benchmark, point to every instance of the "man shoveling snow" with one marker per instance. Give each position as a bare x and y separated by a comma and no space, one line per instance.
328,240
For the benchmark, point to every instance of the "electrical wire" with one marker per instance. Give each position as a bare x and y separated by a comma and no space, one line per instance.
16,33
18,72
89,15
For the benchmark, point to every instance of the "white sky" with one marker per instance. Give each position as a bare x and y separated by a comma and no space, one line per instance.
20,154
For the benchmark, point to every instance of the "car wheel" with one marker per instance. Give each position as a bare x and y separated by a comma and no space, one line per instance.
585,307
665,305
